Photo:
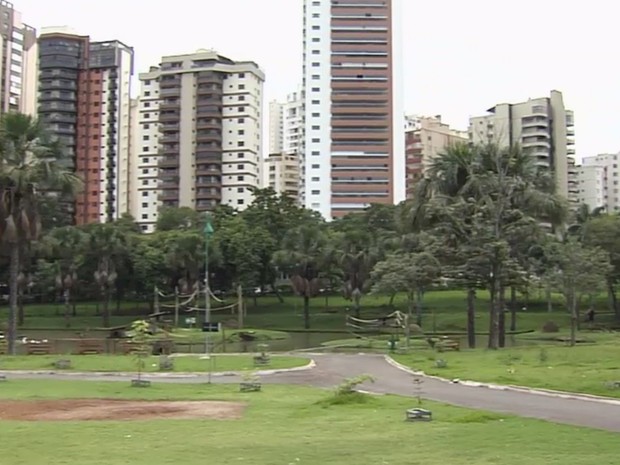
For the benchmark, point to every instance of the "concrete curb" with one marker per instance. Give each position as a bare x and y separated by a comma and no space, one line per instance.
179,375
512,388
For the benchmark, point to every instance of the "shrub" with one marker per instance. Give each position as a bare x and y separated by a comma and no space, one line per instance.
550,327
346,394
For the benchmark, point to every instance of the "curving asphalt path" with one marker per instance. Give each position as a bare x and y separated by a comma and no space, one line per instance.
331,369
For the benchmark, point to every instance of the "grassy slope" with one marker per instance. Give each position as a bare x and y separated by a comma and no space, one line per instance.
587,368
128,363
444,311
284,425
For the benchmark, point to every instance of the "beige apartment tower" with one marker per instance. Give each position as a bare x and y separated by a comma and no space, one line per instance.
543,127
199,135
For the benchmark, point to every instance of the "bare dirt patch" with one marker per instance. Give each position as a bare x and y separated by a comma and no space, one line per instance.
114,409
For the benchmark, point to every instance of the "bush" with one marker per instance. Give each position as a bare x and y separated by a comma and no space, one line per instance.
346,393
550,327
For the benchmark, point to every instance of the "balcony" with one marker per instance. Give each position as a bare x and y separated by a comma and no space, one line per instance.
169,127
170,105
169,117
169,195
168,162
201,171
170,92
166,185
169,138
208,124
167,83
570,132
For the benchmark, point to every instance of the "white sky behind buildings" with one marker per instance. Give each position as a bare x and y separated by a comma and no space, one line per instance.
460,58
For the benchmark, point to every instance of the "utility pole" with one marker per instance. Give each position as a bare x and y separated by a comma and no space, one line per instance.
208,233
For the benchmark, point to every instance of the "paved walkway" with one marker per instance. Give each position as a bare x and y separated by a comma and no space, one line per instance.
331,369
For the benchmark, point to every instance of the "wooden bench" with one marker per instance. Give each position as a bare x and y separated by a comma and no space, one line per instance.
90,347
42,348
418,414
448,344
128,348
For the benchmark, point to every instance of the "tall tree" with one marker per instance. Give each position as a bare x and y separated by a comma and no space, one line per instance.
302,256
29,164
576,270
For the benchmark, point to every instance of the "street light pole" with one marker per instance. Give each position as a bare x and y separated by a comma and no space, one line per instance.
208,233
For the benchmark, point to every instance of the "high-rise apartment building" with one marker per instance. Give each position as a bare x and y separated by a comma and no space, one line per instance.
281,173
18,62
598,181
353,151
285,146
199,141
543,127
425,138
84,101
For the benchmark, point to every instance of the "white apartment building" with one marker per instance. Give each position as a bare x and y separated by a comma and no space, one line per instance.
353,153
18,62
598,180
199,134
543,127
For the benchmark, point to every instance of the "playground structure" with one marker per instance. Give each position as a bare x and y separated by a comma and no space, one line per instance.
188,305
391,324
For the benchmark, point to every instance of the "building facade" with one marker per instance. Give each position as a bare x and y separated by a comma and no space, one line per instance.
84,98
543,127
425,138
199,134
18,62
353,149
598,180
281,173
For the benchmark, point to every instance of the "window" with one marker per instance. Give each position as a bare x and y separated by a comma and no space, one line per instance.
240,132
241,109
316,52
316,39
241,167
315,15
240,190
145,171
316,64
240,202
240,143
145,204
147,82
316,115
146,137
145,216
316,102
316,77
145,160
241,75
315,153
145,126
240,120
241,86
145,149
240,155
315,179
242,98
316,192
147,93
147,104
145,194
316,167
147,115
145,182
316,89
316,128
316,28
240,178
316,140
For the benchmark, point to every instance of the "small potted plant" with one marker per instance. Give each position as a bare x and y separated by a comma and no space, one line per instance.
250,382
263,358
140,339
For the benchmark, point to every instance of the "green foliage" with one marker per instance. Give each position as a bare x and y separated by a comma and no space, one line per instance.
140,332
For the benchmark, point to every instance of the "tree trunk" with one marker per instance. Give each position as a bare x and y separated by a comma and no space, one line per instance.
357,297
306,312
106,309
21,314
11,335
501,320
549,301
74,309
513,309
613,302
418,308
573,319
67,297
391,304
471,318
493,313
277,292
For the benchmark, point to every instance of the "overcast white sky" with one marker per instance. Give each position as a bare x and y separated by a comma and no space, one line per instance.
460,57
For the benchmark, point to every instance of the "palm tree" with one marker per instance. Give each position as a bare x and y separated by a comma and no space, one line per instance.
503,186
302,256
65,246
30,163
185,256
107,246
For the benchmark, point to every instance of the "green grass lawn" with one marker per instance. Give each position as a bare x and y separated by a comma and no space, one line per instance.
289,425
444,311
127,363
584,368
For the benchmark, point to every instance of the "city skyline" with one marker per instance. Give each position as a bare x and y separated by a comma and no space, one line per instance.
445,63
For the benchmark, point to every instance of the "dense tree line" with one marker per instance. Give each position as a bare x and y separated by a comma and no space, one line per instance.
483,217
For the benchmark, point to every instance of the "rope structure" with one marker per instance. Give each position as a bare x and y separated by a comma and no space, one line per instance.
218,309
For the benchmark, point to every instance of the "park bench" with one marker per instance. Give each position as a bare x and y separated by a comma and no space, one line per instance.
128,348
39,348
418,414
90,347
448,344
